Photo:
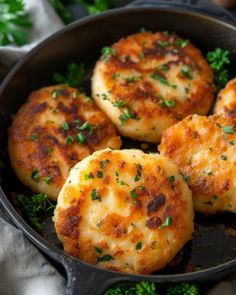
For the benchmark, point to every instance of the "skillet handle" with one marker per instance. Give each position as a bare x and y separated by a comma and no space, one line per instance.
84,279
201,6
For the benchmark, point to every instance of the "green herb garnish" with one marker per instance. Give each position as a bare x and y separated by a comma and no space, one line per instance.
74,76
162,80
119,103
181,43
103,164
106,257
107,52
88,176
47,179
35,175
166,223
94,195
228,129
138,246
133,193
98,250
80,138
127,115
223,157
14,23
34,205
64,126
218,59
138,172
99,174
171,178
69,140
34,137
186,72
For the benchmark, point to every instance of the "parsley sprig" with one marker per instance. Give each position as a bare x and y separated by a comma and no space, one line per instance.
218,59
74,75
146,288
14,23
33,206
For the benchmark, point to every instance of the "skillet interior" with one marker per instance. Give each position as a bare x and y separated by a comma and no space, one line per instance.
81,42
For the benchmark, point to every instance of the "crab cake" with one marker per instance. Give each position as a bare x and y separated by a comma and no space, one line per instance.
125,211
53,130
226,101
149,81
204,148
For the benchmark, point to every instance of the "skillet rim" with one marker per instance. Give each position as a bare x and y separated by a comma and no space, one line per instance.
54,252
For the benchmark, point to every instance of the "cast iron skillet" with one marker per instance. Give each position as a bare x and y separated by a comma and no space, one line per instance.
213,247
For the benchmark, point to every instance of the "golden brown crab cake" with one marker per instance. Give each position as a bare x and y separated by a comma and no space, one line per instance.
125,211
149,81
226,101
204,148
53,130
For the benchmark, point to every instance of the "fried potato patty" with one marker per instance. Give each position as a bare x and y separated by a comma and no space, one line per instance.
226,101
149,81
204,148
125,211
53,130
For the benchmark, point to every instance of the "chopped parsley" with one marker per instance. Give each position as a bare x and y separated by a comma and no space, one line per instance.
138,172
166,223
171,178
98,250
119,103
104,96
54,94
103,164
47,179
86,126
127,115
49,149
99,174
79,138
131,79
181,43
228,129
65,126
107,52
210,173
163,68
115,75
35,175
141,55
163,44
138,246
34,137
69,140
74,94
106,257
133,193
88,176
231,142
162,80
185,177
223,157
94,195
186,72
170,103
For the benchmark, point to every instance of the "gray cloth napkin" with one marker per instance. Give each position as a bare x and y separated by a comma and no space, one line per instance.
23,269
45,22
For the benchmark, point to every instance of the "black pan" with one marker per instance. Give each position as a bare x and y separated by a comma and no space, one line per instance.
212,253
